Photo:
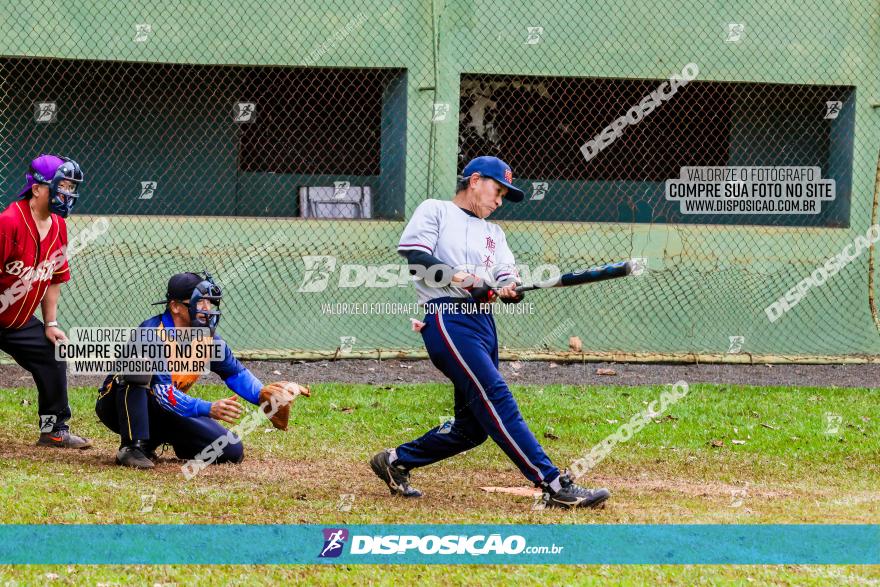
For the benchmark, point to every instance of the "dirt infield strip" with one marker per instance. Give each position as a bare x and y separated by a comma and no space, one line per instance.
534,373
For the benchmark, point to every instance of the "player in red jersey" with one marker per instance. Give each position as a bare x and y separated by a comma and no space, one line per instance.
33,265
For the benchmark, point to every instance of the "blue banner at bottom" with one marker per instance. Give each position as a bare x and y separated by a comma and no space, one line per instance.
440,544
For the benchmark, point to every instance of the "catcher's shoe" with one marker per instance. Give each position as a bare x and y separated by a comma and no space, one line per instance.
63,439
397,478
572,495
150,451
134,456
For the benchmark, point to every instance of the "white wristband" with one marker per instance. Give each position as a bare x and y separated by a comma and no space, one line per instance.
51,324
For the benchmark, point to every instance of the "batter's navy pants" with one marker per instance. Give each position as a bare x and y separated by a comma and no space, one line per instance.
464,346
30,348
133,413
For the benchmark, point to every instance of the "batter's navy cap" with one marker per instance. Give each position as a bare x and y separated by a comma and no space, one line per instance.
496,169
181,287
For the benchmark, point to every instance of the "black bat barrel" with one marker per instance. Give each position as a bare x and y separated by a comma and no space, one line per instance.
601,273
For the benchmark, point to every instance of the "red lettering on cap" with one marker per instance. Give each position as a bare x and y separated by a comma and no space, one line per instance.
508,176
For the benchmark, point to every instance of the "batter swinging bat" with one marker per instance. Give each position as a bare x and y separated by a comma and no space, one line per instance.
600,273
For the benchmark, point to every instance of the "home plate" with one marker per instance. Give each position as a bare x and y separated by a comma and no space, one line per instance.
521,491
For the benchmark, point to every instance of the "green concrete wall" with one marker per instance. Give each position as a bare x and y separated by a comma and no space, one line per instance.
705,283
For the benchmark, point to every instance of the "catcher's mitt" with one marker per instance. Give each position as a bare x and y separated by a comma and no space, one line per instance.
276,398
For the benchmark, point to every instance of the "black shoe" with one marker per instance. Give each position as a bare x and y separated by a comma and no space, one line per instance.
397,478
133,456
572,495
149,451
63,439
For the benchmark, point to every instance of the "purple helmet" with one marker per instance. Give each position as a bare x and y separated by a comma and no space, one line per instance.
50,170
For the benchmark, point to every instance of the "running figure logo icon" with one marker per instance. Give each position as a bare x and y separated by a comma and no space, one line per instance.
47,423
334,541
316,276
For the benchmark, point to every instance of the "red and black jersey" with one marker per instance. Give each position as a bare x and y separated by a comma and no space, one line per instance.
28,265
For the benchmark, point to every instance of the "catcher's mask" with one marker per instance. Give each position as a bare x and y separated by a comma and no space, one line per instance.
203,301
205,315
50,170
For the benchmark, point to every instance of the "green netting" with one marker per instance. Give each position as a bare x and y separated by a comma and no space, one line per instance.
228,135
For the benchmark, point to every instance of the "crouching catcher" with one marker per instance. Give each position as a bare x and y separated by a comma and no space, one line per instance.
148,411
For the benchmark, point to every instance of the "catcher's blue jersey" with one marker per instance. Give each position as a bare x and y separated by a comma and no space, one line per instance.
170,389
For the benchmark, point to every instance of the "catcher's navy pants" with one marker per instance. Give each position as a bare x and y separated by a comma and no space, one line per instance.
134,414
30,348
464,346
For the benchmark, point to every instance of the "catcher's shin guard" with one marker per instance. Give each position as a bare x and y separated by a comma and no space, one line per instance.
397,478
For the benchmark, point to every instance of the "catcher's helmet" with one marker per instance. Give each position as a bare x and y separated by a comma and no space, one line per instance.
50,170
190,289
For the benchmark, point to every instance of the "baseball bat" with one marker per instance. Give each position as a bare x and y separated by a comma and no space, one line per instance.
591,275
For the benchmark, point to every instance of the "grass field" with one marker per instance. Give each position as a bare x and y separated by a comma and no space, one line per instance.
793,467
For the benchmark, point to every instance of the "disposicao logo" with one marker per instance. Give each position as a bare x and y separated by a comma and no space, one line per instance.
334,541
335,538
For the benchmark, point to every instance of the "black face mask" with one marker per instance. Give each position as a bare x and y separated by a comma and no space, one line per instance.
205,290
61,202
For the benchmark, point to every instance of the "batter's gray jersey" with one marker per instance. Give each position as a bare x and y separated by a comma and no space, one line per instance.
462,241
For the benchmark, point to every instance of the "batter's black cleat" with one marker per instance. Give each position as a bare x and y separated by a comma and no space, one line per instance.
134,455
63,439
572,495
397,478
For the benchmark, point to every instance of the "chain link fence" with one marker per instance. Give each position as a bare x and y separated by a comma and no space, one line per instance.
283,148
